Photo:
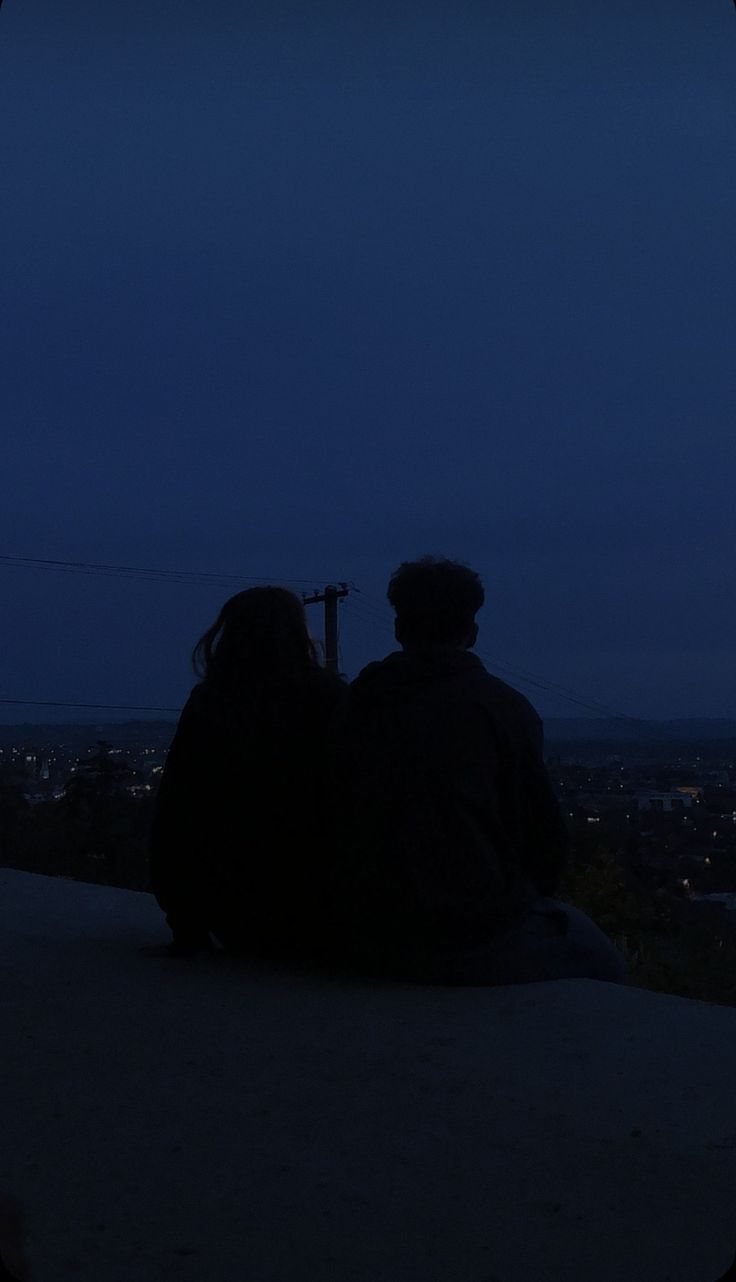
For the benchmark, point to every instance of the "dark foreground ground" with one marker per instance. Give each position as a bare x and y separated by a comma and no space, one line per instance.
199,1120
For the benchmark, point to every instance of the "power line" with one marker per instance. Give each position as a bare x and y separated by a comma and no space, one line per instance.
55,703
531,678
382,617
563,692
370,612
582,702
368,620
373,616
141,572
373,606
373,609
524,681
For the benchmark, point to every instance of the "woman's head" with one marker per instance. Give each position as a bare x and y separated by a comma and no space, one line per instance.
258,633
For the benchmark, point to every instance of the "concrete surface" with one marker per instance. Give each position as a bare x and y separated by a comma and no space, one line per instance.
214,1120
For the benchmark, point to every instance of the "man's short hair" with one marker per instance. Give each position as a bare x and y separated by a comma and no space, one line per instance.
435,600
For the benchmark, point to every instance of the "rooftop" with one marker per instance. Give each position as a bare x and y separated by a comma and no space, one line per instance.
214,1119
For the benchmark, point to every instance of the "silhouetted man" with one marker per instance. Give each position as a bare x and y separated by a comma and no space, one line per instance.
451,841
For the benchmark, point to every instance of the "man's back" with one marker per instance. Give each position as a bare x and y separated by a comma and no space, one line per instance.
450,827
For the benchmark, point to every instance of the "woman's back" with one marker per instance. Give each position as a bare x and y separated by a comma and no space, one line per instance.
231,847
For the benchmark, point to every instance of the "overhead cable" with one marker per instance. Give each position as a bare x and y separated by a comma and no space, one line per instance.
140,572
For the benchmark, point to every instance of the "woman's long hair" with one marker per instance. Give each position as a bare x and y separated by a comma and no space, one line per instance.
259,639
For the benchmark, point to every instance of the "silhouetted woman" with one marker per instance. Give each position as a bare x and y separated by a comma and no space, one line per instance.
235,843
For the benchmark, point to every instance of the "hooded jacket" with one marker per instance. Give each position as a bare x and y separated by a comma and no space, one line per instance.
450,827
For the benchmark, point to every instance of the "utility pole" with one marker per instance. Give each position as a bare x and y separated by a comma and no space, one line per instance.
329,597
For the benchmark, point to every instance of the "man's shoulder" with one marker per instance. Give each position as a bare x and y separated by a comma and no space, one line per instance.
371,670
509,694
380,674
461,676
504,698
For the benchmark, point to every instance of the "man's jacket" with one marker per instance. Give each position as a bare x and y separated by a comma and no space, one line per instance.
449,826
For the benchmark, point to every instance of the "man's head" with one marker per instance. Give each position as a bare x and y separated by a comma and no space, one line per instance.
436,602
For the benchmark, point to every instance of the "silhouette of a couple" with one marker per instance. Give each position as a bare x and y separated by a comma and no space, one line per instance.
403,826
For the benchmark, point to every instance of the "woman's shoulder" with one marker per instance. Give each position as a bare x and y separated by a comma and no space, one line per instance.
205,709
197,702
316,692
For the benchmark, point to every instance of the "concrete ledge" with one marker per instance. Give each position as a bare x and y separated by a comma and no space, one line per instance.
214,1120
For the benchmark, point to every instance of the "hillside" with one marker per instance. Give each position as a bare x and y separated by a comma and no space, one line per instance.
624,730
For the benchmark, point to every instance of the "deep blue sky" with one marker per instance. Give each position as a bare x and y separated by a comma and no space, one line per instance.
302,291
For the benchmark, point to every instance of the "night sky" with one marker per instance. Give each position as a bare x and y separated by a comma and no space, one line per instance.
297,292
